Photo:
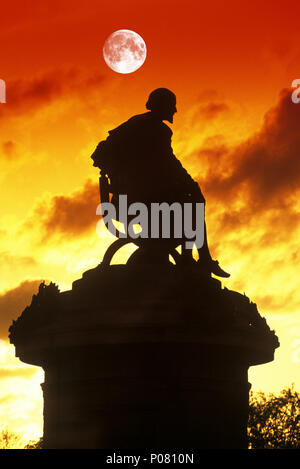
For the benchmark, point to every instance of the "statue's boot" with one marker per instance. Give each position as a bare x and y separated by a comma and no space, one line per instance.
210,266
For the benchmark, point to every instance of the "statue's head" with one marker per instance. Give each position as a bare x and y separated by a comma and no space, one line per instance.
162,102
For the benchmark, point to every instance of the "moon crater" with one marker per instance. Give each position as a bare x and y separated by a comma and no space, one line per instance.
124,51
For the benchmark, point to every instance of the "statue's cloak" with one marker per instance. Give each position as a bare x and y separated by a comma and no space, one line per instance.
138,157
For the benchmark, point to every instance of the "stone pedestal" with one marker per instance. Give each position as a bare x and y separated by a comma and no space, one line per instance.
144,358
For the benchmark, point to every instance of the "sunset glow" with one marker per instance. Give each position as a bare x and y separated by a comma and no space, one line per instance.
231,65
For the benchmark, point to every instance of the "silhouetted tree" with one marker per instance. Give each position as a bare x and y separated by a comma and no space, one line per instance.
274,421
10,440
35,444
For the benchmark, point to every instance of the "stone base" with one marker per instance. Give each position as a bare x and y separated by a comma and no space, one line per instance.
137,359
151,395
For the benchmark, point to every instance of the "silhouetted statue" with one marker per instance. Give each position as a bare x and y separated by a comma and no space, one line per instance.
136,327
138,157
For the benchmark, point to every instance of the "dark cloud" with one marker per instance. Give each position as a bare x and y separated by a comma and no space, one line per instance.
212,110
207,109
25,96
266,167
13,302
8,149
213,150
70,215
254,186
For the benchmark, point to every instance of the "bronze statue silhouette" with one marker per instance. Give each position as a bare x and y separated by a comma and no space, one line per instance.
137,159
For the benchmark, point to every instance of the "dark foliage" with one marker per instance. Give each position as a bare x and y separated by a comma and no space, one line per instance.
274,420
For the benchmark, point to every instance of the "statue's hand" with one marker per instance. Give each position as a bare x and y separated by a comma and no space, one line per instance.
98,156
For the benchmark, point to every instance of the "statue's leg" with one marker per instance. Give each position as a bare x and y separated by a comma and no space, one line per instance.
206,263
204,250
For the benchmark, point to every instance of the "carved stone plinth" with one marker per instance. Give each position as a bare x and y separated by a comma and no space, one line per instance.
144,358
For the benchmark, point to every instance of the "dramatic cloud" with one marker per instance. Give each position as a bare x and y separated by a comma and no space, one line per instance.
253,212
13,302
259,178
70,215
212,110
8,149
266,168
24,95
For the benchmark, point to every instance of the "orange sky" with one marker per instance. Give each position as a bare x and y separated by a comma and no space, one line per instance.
231,65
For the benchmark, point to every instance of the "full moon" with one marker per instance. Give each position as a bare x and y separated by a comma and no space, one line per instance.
124,51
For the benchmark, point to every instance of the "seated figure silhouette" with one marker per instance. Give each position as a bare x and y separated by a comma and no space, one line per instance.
140,162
